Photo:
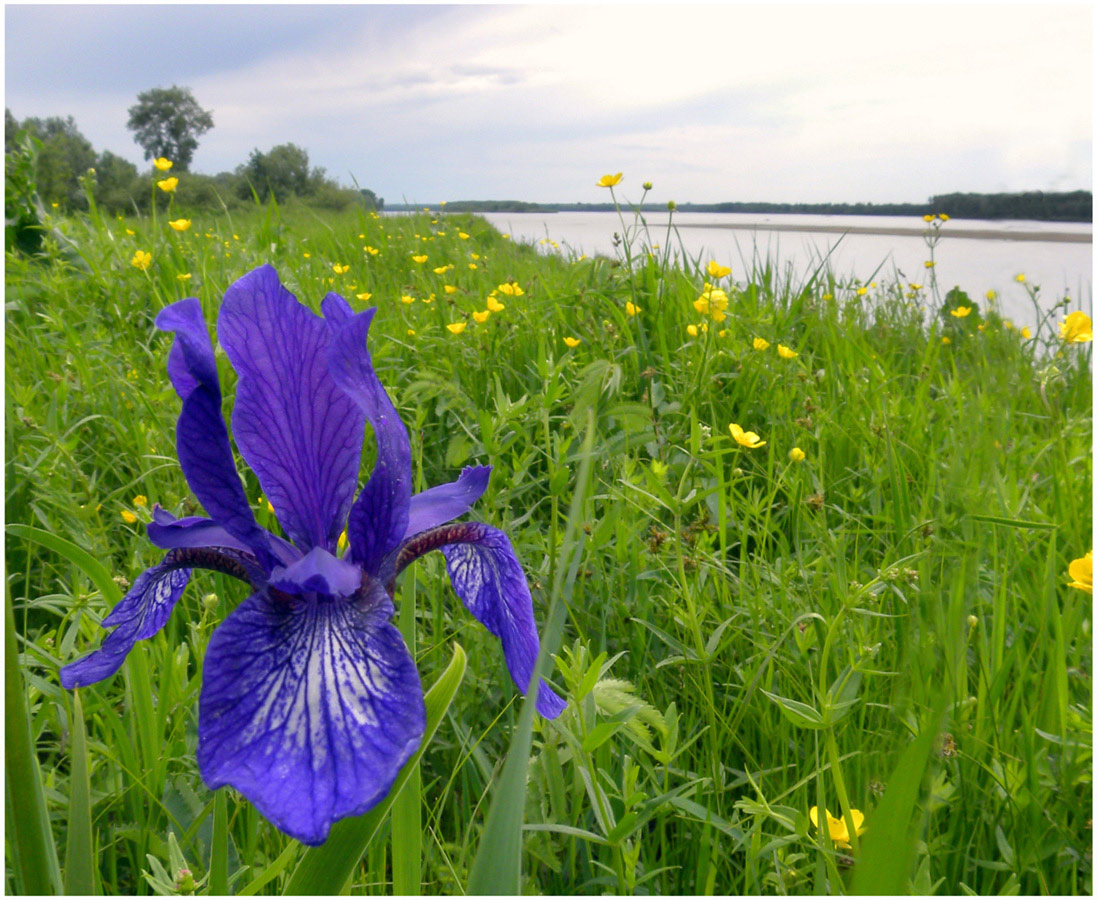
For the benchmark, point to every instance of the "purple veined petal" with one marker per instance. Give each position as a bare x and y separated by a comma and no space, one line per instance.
379,517
137,616
202,441
318,572
439,505
488,578
309,707
168,532
300,434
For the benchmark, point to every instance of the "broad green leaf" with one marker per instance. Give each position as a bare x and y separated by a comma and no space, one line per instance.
800,714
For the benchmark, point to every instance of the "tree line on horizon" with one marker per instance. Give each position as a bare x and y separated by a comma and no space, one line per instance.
1041,206
166,122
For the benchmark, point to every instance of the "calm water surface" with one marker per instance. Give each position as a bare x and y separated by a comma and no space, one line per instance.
975,264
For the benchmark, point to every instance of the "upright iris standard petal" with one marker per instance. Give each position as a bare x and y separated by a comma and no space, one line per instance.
138,615
445,502
202,440
488,578
300,434
309,707
379,518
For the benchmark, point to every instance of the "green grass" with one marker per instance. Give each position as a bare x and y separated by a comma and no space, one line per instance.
745,636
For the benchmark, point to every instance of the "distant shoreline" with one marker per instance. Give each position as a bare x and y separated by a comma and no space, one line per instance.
1057,237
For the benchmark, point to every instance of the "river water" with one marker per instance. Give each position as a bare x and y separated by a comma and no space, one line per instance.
977,256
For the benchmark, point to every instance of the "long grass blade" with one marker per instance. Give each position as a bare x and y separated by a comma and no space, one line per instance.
889,845
97,573
28,827
80,849
326,870
497,869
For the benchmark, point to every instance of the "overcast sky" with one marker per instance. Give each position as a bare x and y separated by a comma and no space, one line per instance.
780,102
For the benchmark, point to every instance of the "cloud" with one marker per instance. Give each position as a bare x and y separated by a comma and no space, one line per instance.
767,102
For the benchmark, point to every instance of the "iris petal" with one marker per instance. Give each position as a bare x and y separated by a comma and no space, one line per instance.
488,578
309,707
379,517
168,532
318,572
299,433
438,505
137,616
202,441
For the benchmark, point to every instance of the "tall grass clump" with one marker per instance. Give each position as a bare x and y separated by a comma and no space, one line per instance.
835,648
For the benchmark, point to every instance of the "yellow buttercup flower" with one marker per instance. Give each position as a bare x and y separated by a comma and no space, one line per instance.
494,305
960,312
796,454
785,353
760,343
609,180
716,270
420,258
712,303
140,500
1082,573
946,340
449,289
168,185
991,295
340,269
407,298
162,164
184,276
840,835
128,517
511,289
692,330
373,251
926,218
572,342
365,295
482,316
862,291
746,438
929,264
630,309
1077,328
1026,333
1020,278
142,259
181,224
463,235
456,327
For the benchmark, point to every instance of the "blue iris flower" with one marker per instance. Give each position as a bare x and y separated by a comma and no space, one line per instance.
310,701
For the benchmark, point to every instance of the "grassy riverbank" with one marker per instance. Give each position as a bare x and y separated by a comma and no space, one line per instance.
752,631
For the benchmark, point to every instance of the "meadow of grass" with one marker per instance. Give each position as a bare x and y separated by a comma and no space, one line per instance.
884,625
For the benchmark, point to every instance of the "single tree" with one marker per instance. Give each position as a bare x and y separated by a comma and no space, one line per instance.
168,122
282,171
